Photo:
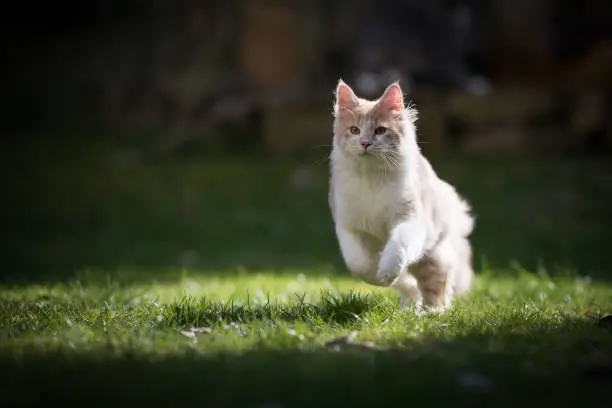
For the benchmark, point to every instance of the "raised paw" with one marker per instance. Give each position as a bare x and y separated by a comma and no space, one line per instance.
386,277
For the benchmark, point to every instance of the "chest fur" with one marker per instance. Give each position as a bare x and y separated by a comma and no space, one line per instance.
367,206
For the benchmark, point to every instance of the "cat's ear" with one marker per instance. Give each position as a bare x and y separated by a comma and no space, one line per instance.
345,97
393,98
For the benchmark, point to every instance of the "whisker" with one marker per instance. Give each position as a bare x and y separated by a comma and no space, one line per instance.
323,159
392,159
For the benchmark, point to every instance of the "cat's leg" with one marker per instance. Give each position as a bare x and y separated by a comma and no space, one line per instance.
405,247
436,277
435,287
407,285
359,257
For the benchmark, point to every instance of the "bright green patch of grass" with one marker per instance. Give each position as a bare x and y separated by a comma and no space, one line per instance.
219,283
249,339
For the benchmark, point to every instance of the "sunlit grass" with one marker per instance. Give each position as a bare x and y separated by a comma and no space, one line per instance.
512,339
268,307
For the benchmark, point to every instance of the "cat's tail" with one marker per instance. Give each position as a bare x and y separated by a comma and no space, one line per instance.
464,277
466,221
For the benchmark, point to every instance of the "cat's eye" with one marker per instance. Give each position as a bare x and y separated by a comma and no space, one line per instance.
380,130
354,130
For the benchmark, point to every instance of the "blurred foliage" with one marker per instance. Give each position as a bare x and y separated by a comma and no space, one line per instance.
91,204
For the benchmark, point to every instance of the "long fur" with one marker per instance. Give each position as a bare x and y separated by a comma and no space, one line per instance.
397,223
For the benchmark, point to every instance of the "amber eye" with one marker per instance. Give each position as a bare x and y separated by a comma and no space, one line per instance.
380,130
354,130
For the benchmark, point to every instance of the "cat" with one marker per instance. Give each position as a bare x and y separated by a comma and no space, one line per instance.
397,223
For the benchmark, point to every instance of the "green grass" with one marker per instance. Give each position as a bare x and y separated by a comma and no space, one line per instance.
217,282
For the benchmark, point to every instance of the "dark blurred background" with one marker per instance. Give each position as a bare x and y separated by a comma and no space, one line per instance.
157,134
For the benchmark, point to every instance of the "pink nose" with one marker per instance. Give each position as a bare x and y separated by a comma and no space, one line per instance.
365,145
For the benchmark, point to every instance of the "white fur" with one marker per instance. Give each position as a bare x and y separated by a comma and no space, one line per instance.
397,223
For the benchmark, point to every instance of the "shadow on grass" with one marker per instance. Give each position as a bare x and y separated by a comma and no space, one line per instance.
338,308
549,366
50,313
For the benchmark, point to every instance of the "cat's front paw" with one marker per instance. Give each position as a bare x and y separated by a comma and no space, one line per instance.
386,276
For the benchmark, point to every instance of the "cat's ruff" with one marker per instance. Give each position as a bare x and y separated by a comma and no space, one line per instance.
397,223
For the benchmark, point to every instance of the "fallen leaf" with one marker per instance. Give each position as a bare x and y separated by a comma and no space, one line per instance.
189,334
207,330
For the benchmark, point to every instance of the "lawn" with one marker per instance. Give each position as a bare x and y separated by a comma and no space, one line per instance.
217,282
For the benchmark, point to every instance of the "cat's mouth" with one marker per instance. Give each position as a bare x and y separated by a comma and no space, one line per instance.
366,153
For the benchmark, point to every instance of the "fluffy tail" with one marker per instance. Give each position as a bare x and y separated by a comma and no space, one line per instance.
465,275
467,220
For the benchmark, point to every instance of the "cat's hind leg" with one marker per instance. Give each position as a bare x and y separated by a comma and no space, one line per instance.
435,274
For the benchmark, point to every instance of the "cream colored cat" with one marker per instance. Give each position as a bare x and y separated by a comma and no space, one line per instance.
397,223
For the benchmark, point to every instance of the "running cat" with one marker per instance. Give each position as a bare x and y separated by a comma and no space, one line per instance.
396,222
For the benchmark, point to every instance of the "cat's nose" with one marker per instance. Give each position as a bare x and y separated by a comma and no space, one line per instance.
365,145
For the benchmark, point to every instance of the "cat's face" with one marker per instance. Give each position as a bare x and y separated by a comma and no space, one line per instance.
369,130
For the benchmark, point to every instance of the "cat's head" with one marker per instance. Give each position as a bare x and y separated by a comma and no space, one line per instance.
370,130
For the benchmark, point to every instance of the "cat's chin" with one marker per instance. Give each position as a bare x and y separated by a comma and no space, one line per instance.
366,155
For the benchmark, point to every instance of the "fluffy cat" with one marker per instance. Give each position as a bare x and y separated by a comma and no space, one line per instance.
397,223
